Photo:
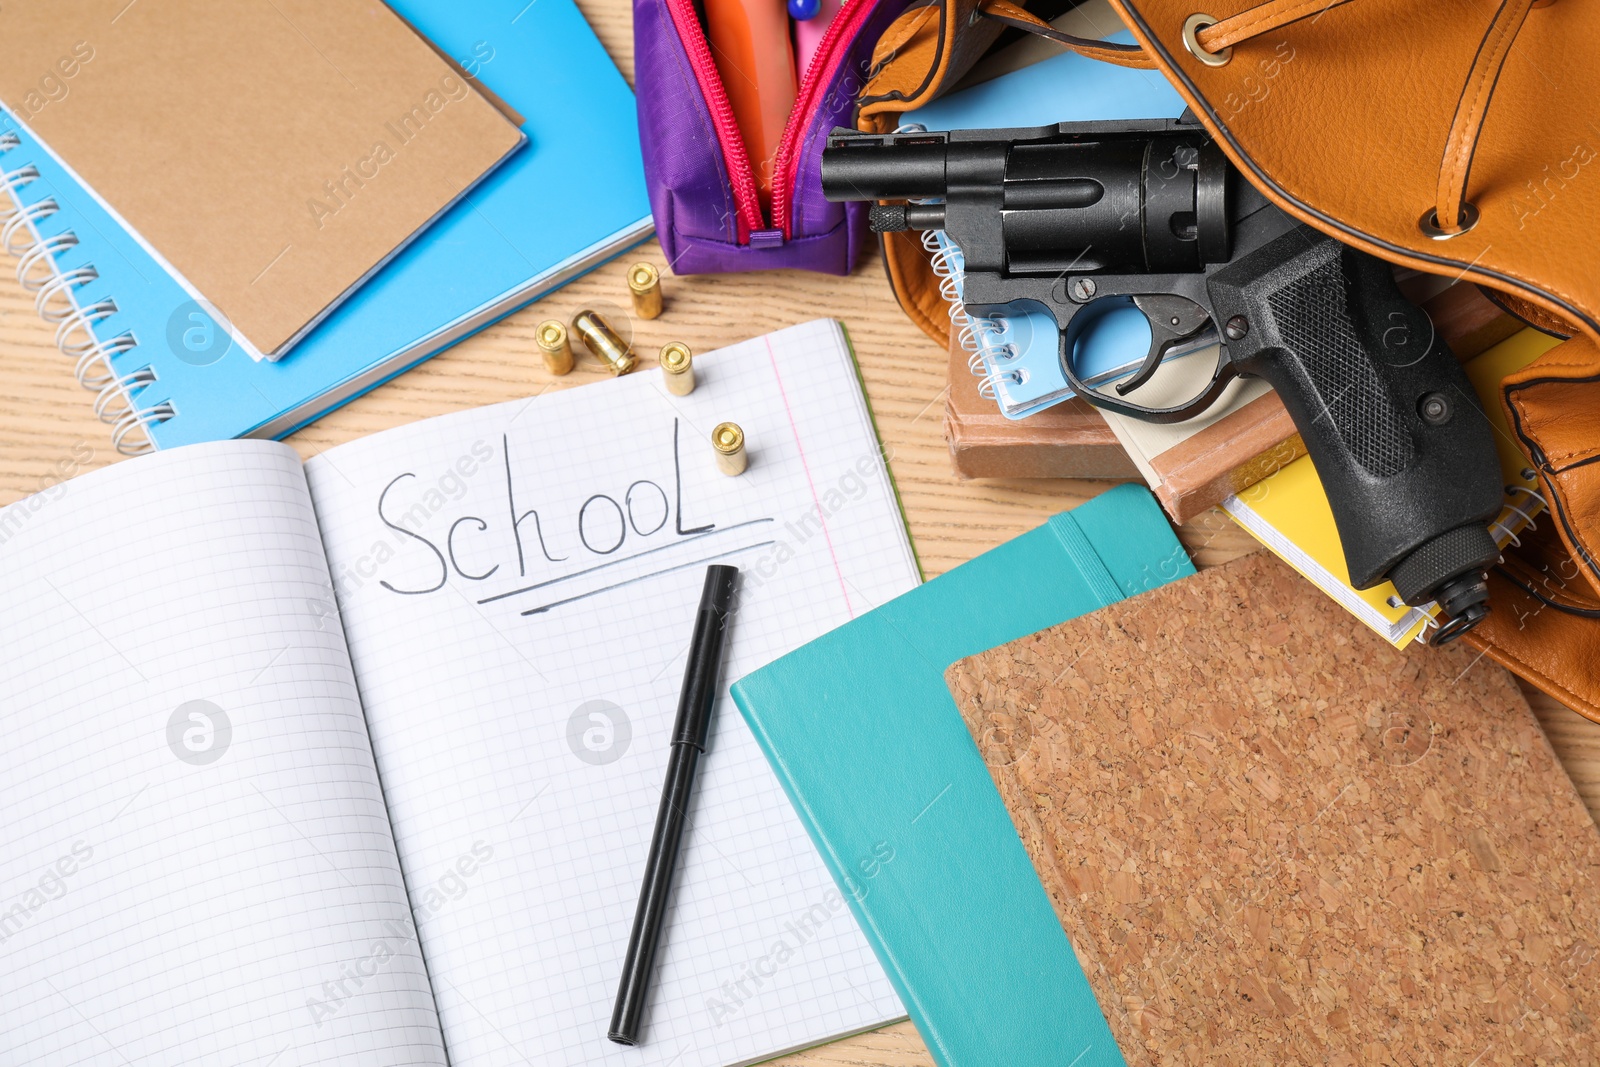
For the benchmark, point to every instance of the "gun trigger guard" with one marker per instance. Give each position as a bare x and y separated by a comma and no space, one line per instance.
1172,319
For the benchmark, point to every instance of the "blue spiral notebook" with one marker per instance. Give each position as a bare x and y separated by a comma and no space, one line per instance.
166,372
875,756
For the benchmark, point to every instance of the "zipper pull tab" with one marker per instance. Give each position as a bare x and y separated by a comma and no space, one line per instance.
766,238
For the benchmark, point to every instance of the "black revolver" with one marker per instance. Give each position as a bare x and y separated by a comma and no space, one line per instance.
1151,213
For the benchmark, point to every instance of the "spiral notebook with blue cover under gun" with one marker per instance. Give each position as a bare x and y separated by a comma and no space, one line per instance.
870,746
167,373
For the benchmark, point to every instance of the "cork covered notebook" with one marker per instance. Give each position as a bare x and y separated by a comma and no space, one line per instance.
1274,839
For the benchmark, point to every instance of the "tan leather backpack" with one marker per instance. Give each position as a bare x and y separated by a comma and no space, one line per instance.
1461,139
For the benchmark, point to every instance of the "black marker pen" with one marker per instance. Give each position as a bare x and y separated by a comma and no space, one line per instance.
689,735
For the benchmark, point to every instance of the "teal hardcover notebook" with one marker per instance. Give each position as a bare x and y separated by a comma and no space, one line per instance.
875,756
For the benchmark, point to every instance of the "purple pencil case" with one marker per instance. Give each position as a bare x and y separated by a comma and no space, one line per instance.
703,190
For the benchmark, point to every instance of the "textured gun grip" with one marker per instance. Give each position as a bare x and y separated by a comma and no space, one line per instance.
1312,314
1356,364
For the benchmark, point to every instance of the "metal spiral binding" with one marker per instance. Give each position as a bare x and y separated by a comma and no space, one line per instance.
84,320
942,259
986,386
101,354
16,179
115,394
139,421
23,218
43,251
1537,503
978,327
60,285
998,350
984,339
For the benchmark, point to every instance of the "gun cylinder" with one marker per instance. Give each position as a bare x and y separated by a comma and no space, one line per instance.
1078,202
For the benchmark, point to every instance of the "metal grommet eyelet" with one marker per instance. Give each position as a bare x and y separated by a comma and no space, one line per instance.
1192,26
1429,223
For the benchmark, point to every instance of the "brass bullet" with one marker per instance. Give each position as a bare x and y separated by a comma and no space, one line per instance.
551,337
644,282
602,340
728,441
677,368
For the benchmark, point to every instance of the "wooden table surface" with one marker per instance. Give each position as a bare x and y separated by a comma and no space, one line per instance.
49,429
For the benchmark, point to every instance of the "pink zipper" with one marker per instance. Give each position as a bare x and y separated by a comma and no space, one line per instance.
824,64
734,156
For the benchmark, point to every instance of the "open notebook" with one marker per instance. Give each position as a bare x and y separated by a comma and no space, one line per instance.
249,821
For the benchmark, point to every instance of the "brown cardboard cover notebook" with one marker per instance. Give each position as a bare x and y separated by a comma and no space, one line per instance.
1272,838
273,153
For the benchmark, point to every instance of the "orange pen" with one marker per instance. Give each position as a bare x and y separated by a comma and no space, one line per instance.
750,44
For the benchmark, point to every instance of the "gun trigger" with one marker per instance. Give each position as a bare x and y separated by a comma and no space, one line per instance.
1172,319
1152,360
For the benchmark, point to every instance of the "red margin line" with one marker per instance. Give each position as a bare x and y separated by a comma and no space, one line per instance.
787,410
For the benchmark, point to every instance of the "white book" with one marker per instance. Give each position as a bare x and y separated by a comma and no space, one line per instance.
358,761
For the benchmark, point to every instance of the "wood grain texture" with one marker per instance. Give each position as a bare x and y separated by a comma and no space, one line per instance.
48,432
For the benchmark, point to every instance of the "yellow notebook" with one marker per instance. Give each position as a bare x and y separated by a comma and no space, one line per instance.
1289,513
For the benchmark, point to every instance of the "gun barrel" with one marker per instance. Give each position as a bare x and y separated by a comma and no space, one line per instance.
867,168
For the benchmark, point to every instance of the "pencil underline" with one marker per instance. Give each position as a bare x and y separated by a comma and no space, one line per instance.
644,577
616,562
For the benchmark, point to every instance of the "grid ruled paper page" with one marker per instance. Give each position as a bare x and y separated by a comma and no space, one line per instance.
195,862
519,585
